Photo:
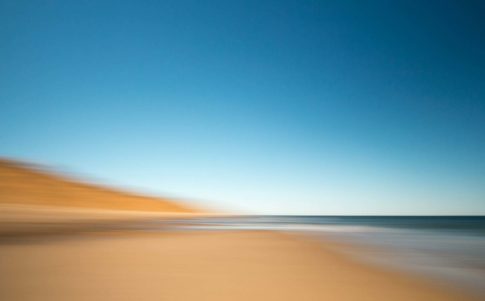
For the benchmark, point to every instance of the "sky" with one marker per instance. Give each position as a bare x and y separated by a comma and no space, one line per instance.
268,107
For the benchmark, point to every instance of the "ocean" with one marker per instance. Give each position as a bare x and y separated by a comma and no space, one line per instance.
450,249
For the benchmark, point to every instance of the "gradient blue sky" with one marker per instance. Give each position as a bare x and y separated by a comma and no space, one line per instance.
300,107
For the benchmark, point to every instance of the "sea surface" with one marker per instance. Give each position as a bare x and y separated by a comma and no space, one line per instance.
450,249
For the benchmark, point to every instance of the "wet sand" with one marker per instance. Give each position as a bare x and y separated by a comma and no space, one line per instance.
232,265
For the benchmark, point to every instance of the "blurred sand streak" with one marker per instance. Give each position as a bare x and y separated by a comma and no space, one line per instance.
27,220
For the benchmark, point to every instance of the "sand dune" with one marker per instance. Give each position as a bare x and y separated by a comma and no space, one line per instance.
27,185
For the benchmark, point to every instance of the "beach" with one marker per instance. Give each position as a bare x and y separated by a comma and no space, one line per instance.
120,264
66,240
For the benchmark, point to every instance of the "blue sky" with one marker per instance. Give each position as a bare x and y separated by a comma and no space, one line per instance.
283,107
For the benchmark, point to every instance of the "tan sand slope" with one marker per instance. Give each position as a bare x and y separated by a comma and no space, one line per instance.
23,184
237,266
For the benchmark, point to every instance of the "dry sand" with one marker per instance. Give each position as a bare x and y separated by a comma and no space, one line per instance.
247,265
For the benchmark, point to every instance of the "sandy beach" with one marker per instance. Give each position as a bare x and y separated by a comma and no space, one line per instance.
65,240
198,265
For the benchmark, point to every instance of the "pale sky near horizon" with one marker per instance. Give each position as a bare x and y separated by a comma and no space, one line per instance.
281,107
